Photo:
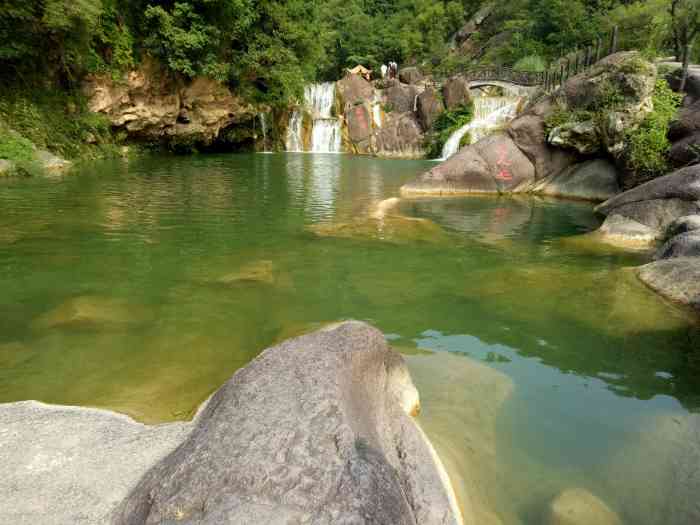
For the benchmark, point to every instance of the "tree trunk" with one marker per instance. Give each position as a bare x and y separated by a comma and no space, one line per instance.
686,60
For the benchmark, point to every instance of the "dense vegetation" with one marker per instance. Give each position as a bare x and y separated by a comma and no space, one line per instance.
269,48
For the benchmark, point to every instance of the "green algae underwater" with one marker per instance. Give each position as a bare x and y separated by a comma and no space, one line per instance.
142,286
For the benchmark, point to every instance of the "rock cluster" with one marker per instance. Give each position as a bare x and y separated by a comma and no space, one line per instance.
685,131
531,156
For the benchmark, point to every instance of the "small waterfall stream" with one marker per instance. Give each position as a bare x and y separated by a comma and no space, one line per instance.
490,113
325,133
264,128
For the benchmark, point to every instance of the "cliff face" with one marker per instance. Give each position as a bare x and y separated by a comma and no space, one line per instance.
153,105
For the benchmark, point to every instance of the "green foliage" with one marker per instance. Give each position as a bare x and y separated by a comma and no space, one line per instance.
648,145
531,64
445,125
58,122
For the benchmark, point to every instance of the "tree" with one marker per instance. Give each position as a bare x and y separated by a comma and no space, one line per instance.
685,24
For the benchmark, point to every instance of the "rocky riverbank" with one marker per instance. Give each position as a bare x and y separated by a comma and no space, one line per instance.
317,429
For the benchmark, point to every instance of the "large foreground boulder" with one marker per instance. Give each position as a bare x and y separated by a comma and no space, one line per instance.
655,204
316,430
593,180
677,279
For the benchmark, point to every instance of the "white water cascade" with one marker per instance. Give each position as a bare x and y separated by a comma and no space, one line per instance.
325,132
490,113
264,127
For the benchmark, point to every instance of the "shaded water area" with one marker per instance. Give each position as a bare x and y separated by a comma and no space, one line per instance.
143,286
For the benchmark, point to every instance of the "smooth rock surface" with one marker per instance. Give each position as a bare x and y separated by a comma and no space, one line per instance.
316,430
429,108
455,92
580,507
400,137
623,231
595,180
684,224
69,465
677,279
410,75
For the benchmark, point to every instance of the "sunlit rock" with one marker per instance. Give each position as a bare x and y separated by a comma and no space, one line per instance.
677,279
315,430
580,507
388,228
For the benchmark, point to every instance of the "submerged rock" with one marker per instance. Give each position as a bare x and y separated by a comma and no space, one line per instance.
384,227
258,271
677,279
91,310
580,507
315,430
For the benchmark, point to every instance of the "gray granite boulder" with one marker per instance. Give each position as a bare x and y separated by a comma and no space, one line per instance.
316,430
659,202
677,279
429,107
74,465
594,180
682,245
455,92
400,98
685,224
400,137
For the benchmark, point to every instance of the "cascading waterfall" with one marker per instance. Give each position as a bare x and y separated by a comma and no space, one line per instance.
490,113
263,127
325,133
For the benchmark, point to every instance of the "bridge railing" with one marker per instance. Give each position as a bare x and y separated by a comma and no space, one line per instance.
581,60
572,64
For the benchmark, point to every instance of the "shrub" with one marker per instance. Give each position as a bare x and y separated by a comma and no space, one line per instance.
531,64
445,125
647,147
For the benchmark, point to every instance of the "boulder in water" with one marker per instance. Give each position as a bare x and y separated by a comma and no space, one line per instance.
580,507
677,279
493,165
594,180
90,310
316,430
359,125
258,271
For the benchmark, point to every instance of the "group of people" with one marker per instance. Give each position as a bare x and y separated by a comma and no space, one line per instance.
392,70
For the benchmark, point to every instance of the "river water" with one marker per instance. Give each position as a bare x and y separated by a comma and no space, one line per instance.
142,286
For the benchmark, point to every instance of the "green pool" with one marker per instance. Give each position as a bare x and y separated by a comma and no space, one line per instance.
142,286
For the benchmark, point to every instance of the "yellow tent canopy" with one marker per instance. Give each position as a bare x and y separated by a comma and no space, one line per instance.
360,70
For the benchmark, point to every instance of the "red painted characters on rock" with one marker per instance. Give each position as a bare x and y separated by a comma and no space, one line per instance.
503,164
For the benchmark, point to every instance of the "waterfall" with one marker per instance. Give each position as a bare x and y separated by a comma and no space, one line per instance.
325,133
294,130
263,126
490,113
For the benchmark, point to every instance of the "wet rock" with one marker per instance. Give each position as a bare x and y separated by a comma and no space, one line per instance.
492,165
656,476
429,107
455,92
90,310
677,279
580,507
595,180
623,231
69,465
681,245
258,271
410,75
386,228
400,137
659,202
316,429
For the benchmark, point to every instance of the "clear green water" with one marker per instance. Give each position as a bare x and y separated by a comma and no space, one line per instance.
143,286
